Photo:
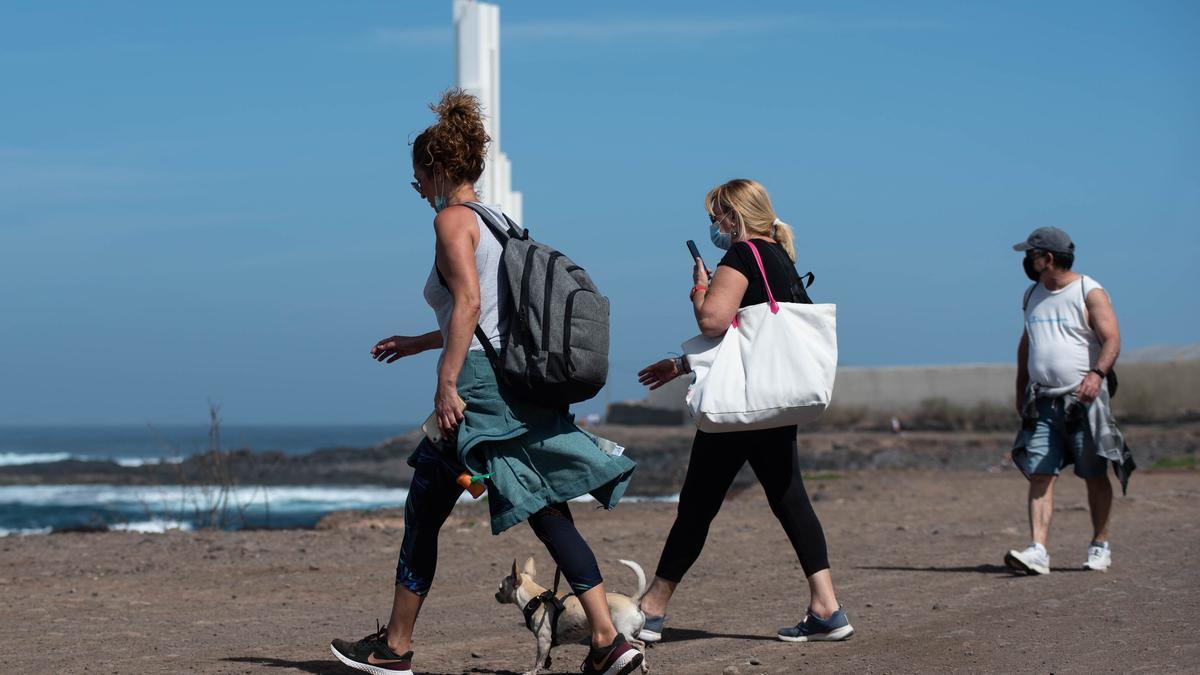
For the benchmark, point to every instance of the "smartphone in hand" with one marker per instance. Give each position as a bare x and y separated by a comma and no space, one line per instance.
696,254
432,431
694,251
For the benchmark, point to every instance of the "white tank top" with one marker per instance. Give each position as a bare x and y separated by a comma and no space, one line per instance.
492,289
1062,346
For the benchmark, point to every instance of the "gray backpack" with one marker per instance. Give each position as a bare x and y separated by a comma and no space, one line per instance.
556,349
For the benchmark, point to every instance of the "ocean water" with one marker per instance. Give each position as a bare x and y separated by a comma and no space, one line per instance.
36,509
40,509
138,444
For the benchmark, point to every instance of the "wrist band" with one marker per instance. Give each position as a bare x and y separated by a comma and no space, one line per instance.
697,287
1099,372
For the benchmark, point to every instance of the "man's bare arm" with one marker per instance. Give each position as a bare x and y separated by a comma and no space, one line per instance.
1022,370
1103,320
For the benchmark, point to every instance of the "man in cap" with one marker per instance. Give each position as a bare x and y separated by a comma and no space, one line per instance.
1070,343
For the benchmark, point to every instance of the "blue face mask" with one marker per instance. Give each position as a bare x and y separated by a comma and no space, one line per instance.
439,203
721,240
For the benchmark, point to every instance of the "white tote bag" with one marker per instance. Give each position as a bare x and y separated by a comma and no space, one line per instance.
774,366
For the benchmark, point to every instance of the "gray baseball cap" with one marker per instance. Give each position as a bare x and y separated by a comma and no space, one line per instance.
1047,239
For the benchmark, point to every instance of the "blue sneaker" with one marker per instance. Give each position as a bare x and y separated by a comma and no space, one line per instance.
652,630
814,629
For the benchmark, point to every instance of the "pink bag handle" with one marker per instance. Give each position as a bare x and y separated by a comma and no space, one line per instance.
762,270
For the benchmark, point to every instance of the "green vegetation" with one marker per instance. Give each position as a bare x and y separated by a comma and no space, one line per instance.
1176,462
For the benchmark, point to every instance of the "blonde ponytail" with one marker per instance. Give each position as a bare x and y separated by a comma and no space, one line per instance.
786,238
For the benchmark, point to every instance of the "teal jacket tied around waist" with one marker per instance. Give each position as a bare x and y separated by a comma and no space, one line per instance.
536,455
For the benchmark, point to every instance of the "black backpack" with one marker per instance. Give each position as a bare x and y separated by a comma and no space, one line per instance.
556,349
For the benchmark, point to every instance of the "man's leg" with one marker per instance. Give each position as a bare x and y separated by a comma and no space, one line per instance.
1041,506
1034,559
1100,498
1093,469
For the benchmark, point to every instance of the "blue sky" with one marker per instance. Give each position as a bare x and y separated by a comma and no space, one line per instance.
210,200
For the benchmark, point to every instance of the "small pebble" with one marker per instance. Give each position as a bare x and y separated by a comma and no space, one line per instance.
755,662
476,655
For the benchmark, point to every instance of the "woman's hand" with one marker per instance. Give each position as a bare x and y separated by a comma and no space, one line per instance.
449,409
657,374
700,276
388,350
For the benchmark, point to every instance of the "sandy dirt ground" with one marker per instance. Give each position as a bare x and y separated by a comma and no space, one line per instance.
917,559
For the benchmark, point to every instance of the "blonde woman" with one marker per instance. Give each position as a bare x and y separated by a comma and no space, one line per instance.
741,216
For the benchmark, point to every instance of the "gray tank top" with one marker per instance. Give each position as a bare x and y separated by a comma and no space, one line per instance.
492,290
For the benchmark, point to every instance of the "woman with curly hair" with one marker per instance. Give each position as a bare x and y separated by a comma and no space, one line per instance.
536,459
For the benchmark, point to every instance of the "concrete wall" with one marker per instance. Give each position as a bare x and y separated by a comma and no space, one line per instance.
895,387
1148,390
906,387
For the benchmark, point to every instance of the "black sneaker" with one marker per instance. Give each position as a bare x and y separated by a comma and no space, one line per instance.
372,655
619,658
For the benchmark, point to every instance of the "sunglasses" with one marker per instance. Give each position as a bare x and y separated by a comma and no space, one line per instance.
416,185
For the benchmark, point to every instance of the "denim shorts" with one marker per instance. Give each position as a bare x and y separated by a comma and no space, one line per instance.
1046,447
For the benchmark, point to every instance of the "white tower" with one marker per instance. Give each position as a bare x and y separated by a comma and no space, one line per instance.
477,32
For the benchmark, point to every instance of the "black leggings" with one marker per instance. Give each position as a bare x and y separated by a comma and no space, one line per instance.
433,494
715,461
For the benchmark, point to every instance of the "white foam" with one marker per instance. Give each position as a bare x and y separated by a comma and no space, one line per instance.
152,526
18,458
21,458
156,498
146,461
23,531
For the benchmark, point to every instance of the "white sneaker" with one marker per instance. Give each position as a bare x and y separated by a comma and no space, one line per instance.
1033,560
1099,558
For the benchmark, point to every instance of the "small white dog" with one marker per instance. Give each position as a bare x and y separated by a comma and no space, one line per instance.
570,625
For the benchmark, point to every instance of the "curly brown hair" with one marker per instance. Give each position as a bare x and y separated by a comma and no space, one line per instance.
455,145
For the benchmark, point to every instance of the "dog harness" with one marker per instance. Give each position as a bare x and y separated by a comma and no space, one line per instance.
554,608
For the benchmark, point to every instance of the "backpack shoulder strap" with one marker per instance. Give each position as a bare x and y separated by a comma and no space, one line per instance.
484,342
502,231
1084,280
1028,295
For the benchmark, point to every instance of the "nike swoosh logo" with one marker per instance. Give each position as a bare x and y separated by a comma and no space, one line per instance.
381,662
599,665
